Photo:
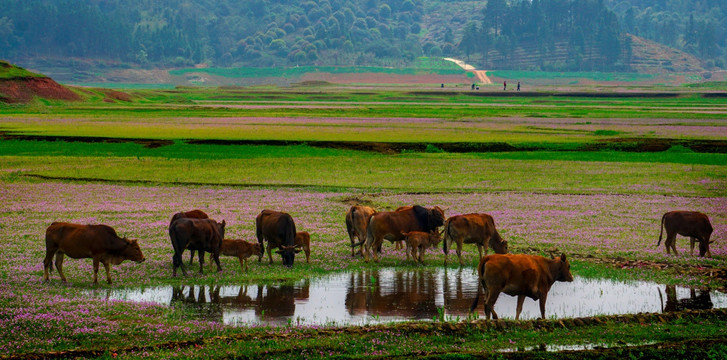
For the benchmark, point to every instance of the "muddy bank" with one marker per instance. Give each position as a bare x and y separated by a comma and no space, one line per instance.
22,90
615,144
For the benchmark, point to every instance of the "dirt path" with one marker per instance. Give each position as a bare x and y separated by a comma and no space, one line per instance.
480,74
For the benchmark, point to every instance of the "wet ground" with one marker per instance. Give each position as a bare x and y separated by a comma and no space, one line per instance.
386,295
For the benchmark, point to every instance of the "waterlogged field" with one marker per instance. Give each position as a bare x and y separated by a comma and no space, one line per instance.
602,208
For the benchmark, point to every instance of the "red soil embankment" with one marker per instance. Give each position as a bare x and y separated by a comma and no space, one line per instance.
21,90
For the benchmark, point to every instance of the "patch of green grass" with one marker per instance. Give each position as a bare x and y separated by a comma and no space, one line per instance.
10,71
293,72
596,76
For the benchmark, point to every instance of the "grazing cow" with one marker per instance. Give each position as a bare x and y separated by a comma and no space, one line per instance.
686,223
201,234
192,214
390,225
278,228
98,242
240,249
357,219
476,229
302,240
419,240
521,276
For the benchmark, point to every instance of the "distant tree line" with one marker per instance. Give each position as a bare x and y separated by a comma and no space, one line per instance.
698,27
520,34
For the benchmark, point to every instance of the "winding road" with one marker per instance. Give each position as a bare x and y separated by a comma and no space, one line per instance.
480,74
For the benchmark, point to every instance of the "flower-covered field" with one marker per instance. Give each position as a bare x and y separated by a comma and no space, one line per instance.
37,316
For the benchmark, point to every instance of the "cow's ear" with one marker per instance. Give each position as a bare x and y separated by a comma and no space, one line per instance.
562,257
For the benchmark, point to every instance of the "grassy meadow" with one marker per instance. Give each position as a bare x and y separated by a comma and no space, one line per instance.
583,176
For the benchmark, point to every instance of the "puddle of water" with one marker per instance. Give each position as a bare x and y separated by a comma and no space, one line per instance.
386,295
587,346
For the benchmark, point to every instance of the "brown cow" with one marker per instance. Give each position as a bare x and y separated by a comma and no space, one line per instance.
357,219
521,276
686,223
476,229
390,225
201,234
192,214
419,240
240,249
278,228
302,240
98,242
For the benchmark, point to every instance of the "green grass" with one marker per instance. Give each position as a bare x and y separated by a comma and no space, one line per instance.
420,67
545,75
10,71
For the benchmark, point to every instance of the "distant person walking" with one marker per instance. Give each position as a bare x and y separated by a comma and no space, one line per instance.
504,85
518,86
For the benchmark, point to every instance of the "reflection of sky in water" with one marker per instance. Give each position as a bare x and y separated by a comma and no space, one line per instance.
385,295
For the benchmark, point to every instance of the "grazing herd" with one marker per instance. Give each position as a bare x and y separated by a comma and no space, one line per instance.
416,226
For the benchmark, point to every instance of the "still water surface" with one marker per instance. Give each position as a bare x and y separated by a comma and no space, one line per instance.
386,295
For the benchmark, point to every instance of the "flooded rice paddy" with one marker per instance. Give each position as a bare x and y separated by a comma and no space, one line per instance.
389,295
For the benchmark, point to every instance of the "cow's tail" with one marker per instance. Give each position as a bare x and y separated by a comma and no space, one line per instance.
446,237
259,235
480,284
661,229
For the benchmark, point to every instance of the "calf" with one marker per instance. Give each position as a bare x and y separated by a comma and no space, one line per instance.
686,223
302,240
521,276
240,249
419,240
98,242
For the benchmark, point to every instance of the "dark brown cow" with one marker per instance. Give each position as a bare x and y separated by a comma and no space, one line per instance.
420,241
390,225
240,249
278,228
302,240
201,234
476,229
693,224
192,214
98,242
357,220
521,276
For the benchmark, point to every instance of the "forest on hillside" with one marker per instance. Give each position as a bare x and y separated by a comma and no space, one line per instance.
494,34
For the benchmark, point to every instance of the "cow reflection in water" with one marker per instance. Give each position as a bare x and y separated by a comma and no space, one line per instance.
697,300
270,302
409,294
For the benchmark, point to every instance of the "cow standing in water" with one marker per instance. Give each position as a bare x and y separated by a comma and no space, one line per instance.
192,214
357,220
476,229
98,242
521,276
201,234
693,224
278,228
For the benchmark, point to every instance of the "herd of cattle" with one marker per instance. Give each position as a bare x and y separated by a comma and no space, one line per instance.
514,274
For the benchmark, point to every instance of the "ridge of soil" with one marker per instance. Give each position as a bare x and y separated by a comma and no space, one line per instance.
23,90
616,144
419,327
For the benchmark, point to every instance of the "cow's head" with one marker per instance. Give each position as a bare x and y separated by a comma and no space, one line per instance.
434,237
564,271
704,248
257,250
288,254
500,247
132,251
436,217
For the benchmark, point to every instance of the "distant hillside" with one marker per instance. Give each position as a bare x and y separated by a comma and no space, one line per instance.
18,85
648,56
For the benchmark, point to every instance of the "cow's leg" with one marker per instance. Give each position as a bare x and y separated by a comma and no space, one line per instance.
692,240
491,295
459,252
519,309
191,257
242,263
201,260
108,271
95,270
270,255
479,249
59,266
543,297
217,260
48,263
307,255
377,245
670,242
421,253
